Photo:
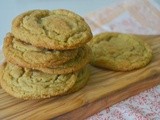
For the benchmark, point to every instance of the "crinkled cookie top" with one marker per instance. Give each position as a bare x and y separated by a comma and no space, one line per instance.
57,29
120,52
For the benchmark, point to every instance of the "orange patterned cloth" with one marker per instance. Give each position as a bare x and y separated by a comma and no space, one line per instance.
130,16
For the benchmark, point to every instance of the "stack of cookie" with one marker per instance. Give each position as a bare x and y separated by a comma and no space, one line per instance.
46,54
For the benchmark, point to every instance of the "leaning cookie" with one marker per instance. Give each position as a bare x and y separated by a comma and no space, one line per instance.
31,84
119,52
82,58
58,29
18,52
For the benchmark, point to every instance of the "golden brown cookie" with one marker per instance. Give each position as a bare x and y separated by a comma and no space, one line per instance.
18,52
82,58
31,84
58,29
120,52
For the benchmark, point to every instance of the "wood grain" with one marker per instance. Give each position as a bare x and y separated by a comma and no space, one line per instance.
104,89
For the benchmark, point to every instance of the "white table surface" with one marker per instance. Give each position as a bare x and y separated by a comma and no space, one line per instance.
11,8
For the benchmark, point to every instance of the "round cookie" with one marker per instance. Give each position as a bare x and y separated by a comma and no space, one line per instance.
81,59
119,52
31,84
58,29
18,52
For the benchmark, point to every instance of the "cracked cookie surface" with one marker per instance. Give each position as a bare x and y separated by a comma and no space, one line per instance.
119,52
82,58
31,84
58,29
26,55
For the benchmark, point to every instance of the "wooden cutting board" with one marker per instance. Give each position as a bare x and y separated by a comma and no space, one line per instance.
104,89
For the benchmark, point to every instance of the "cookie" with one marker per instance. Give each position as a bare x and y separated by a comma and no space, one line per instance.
119,52
58,29
31,84
82,58
18,52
